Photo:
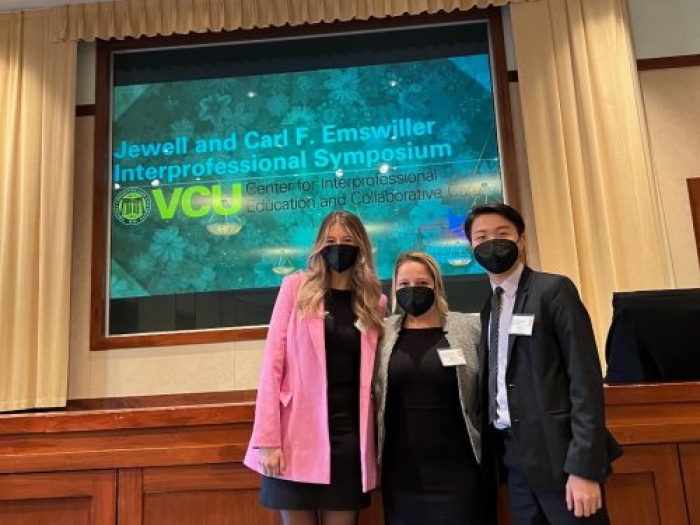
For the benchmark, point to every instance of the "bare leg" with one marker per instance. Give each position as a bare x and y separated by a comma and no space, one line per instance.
299,517
339,517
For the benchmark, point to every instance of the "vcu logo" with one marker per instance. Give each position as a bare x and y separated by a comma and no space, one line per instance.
132,206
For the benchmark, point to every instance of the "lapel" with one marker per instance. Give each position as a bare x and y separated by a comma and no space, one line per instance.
391,334
368,339
368,351
318,334
484,343
520,299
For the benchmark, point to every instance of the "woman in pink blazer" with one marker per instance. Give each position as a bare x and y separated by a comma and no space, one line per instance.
313,437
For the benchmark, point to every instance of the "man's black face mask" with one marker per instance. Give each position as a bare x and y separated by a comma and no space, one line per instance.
497,255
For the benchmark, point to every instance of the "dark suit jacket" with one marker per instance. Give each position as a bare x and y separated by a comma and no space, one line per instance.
554,383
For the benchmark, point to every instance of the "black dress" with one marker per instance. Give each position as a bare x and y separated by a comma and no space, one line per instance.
344,492
429,474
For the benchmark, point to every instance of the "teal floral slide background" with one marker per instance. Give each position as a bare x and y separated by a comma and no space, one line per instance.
221,184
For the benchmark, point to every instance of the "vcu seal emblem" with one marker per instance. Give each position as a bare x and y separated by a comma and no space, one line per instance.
132,206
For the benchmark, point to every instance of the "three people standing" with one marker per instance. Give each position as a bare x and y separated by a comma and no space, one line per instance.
519,390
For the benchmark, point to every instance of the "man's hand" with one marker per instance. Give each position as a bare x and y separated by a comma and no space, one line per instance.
583,496
271,460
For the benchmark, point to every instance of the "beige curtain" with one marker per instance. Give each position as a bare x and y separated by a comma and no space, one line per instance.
166,17
37,112
596,204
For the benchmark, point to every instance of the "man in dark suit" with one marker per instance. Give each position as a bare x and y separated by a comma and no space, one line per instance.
541,387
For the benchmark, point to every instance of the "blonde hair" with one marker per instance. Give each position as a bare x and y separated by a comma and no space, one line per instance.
433,268
365,285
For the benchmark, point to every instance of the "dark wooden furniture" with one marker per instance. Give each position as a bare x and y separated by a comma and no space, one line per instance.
177,460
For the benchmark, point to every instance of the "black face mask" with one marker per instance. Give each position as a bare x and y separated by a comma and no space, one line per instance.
340,257
415,300
497,255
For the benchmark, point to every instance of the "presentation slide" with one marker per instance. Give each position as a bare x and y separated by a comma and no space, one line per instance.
221,183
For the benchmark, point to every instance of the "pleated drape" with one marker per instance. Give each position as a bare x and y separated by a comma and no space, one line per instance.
166,17
37,116
595,195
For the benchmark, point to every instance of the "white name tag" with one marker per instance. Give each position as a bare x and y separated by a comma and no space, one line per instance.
521,325
451,357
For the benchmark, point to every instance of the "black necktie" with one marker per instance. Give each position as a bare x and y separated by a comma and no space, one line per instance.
493,351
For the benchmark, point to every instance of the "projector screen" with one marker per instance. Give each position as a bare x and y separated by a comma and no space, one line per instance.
225,159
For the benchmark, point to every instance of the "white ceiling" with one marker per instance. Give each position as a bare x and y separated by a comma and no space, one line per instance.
12,5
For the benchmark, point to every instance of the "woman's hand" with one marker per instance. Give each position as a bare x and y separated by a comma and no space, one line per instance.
271,460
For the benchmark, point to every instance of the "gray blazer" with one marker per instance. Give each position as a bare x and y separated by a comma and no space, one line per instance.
463,332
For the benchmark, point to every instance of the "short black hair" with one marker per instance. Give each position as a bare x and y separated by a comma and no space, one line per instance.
507,212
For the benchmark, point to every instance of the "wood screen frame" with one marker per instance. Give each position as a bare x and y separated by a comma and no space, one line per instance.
99,339
694,198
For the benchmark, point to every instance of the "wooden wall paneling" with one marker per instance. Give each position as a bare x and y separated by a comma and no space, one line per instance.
646,487
65,498
227,494
130,413
130,500
124,448
690,464
653,413
177,461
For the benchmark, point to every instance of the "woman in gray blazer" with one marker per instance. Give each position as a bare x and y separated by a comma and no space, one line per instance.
425,396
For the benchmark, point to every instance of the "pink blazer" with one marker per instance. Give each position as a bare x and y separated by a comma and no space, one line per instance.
291,409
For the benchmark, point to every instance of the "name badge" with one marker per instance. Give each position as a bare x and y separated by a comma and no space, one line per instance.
451,357
521,325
